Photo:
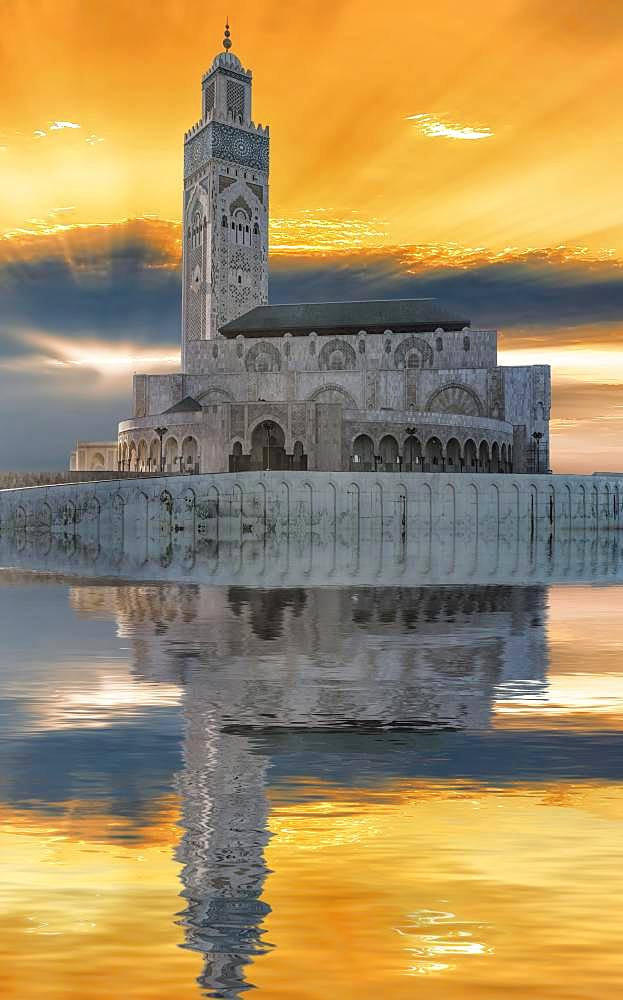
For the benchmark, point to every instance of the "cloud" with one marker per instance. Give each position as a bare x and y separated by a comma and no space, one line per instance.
84,306
437,128
39,133
57,126
93,140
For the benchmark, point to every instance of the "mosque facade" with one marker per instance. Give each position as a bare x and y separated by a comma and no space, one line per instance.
394,385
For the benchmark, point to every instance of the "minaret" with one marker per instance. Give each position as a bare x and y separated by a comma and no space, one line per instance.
225,238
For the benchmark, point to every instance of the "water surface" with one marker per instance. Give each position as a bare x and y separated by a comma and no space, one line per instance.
353,789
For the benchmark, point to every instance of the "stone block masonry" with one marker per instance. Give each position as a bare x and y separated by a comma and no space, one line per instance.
231,507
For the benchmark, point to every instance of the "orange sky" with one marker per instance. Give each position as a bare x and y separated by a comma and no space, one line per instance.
438,134
337,83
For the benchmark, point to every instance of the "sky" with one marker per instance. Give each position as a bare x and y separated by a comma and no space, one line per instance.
465,151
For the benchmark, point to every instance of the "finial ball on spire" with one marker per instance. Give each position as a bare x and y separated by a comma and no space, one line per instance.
227,43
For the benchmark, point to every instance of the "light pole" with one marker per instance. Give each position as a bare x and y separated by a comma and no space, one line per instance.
537,444
268,427
161,431
410,435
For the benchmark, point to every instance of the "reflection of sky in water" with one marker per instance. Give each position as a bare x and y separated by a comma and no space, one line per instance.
374,784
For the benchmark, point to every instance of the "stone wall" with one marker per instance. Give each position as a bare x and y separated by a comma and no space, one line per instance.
325,506
374,372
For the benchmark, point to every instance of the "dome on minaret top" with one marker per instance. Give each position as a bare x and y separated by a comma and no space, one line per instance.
226,59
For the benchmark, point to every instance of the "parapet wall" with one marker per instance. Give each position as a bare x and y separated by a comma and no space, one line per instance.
228,507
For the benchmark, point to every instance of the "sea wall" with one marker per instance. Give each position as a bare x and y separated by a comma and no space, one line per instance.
252,506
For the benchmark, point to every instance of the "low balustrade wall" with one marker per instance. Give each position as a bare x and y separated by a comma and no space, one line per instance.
274,504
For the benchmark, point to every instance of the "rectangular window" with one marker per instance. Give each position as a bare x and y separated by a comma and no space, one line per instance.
208,98
235,98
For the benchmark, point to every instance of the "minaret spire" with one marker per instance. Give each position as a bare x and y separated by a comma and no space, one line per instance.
227,42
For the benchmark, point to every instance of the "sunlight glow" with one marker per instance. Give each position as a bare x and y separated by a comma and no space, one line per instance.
113,697
107,359
57,126
437,128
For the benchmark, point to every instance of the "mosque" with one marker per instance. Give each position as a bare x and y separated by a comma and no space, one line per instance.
396,385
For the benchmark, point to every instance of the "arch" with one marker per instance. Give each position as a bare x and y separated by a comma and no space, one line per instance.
363,454
412,454
503,459
331,393
270,356
141,456
455,398
171,449
43,517
268,446
153,460
98,462
214,395
484,457
329,351
388,452
434,455
132,464
241,217
495,457
470,456
453,456
409,345
190,454
236,459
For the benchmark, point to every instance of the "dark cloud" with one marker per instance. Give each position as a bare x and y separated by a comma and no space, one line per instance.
42,768
508,294
121,284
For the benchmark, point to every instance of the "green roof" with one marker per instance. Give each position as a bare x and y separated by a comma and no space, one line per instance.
186,405
373,316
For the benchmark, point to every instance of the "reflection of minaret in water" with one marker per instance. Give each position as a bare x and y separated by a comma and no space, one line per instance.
224,814
252,661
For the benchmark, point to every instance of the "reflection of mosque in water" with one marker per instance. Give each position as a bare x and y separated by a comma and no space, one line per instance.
260,667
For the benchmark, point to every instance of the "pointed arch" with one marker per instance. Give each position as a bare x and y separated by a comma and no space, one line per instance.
455,398
336,355
411,345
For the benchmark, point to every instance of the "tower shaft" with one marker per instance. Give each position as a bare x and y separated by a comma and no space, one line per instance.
225,213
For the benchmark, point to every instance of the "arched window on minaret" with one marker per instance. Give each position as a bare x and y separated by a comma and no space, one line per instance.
240,228
196,231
